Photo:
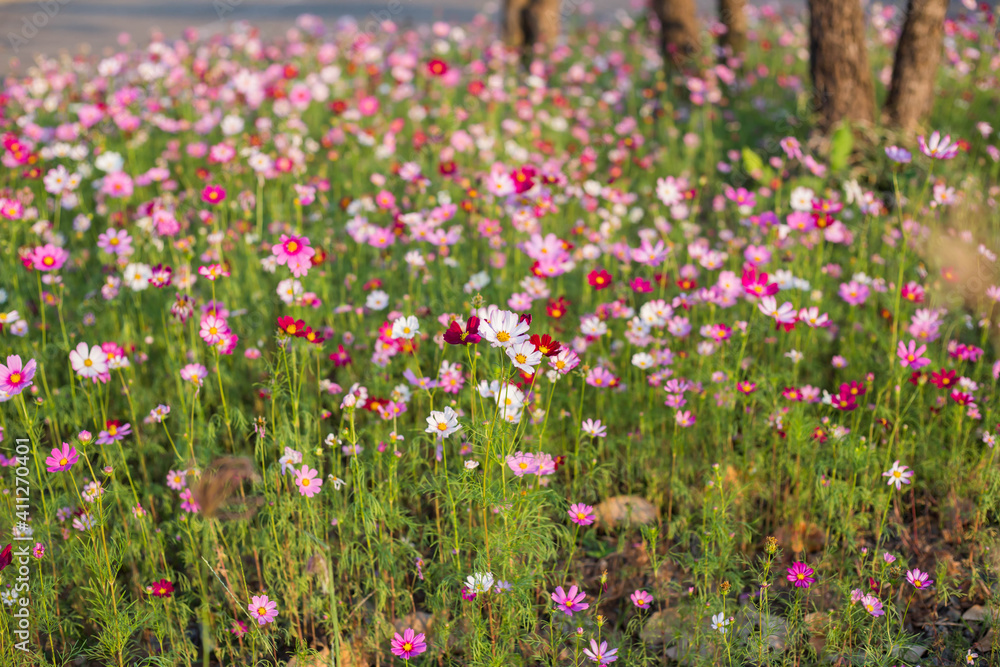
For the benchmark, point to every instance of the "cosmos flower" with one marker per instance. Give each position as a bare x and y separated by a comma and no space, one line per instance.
408,644
600,653
569,601
308,482
62,458
443,423
801,575
641,599
898,475
582,515
15,377
263,609
918,579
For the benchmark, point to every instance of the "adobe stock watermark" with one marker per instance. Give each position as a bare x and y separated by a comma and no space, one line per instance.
18,554
30,25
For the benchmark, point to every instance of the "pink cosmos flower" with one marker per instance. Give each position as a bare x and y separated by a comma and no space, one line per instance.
213,329
911,356
294,252
408,644
919,579
571,601
194,373
117,185
938,147
115,242
62,458
801,575
600,653
48,257
213,271
263,609
854,293
15,378
522,464
309,485
872,605
582,515
784,315
641,599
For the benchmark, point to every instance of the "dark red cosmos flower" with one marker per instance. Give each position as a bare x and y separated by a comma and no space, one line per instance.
545,344
599,279
291,326
340,357
687,283
455,335
162,589
447,168
557,307
5,557
916,377
943,379
437,67
819,434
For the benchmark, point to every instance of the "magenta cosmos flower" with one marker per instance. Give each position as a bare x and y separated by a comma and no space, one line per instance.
571,601
14,377
408,644
62,458
581,515
801,575
295,253
48,257
263,609
213,194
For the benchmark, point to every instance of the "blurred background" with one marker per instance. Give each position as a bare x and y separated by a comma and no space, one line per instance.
69,25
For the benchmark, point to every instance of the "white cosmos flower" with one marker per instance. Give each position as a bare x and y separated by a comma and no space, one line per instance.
443,423
524,356
503,328
137,276
480,582
88,361
405,327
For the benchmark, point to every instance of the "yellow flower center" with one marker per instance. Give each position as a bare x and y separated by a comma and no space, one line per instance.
503,336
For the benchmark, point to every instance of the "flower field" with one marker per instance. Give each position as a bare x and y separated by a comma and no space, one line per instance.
368,348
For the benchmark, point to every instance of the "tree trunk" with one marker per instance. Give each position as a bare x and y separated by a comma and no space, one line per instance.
530,22
838,63
733,15
678,30
911,94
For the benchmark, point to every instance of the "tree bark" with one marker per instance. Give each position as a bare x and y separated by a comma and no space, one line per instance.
911,93
530,22
678,30
838,63
733,15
